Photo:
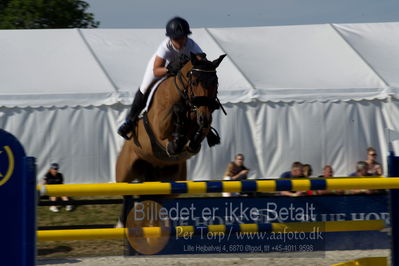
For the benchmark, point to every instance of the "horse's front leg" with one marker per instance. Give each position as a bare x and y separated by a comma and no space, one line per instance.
195,142
179,135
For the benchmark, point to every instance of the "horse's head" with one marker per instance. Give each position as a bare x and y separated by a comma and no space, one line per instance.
201,89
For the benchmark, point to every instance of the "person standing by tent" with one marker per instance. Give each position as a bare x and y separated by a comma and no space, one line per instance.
374,167
166,60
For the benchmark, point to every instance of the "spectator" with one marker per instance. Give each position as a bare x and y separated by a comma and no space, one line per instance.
296,172
236,171
307,170
55,177
327,171
374,167
362,169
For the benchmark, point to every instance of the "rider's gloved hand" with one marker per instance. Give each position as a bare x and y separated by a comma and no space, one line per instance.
173,68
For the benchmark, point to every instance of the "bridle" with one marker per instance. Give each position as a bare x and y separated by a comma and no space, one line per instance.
186,92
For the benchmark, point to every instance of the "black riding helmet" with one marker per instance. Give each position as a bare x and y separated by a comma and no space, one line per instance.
177,27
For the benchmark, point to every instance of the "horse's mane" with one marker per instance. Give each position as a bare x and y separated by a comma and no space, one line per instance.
204,64
206,78
201,63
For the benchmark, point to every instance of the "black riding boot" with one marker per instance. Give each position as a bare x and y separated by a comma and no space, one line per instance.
137,106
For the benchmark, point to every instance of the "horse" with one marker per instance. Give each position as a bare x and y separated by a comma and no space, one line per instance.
172,129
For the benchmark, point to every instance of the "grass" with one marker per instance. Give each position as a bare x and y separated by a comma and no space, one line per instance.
81,215
84,215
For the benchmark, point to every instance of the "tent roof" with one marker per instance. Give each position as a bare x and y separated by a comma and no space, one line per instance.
82,67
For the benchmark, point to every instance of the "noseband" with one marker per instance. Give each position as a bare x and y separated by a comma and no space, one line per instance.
192,101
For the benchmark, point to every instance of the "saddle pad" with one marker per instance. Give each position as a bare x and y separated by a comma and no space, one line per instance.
151,95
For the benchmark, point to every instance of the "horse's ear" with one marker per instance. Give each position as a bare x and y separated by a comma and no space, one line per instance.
194,59
217,62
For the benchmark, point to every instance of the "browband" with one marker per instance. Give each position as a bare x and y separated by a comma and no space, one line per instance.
203,70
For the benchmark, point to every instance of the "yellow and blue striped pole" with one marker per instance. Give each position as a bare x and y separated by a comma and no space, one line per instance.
200,187
180,231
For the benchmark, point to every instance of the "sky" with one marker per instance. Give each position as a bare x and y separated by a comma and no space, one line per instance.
240,13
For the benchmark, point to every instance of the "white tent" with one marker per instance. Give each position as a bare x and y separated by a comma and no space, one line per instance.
319,94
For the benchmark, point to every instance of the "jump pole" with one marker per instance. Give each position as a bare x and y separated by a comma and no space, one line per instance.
201,187
180,231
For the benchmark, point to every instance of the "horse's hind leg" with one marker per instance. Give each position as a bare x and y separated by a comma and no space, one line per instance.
124,165
125,173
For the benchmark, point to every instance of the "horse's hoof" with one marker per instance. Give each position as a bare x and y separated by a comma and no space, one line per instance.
172,149
169,149
194,149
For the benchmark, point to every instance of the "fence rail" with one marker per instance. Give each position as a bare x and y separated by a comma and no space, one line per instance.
149,232
200,187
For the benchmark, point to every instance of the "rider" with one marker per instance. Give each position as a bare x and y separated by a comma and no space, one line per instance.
164,61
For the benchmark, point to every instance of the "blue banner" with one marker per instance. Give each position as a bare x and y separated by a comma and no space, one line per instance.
201,212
